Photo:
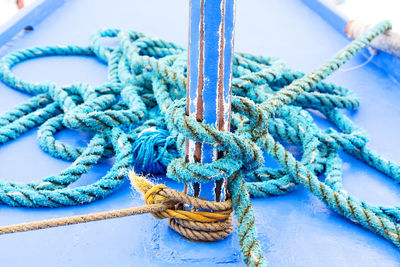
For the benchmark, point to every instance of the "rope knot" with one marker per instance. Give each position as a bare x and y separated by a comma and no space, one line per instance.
152,196
196,224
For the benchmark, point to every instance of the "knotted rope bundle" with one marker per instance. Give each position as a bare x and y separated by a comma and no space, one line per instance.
139,117
194,225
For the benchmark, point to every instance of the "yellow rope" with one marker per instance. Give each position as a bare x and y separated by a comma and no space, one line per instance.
24,227
151,196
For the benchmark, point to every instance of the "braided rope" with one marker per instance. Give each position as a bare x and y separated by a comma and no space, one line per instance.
138,116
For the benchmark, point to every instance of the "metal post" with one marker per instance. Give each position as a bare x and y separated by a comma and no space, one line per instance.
211,35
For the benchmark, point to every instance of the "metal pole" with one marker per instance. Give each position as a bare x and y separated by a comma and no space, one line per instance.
210,58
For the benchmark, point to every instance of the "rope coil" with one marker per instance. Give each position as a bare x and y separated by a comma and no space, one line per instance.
145,90
194,225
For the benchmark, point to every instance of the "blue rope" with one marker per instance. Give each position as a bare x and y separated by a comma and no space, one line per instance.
138,116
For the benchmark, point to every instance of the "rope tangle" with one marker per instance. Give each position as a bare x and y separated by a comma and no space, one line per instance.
139,117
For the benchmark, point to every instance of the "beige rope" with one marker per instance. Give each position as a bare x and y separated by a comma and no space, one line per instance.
388,42
160,202
194,225
23,227
198,231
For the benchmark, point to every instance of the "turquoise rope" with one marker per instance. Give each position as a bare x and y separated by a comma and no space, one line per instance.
138,116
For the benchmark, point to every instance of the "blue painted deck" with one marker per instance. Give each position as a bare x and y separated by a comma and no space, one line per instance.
295,230
28,16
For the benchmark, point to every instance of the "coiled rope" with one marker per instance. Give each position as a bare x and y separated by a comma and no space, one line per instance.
138,116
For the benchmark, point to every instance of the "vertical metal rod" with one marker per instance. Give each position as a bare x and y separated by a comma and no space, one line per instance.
210,57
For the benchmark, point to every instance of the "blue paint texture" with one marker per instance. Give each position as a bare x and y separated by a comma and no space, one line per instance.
229,47
294,230
194,36
212,22
28,16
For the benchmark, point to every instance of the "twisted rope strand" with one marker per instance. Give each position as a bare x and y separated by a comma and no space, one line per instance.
31,226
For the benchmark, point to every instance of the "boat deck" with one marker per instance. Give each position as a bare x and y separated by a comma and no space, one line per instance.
294,230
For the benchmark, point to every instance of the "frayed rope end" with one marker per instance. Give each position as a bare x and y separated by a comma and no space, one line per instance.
140,183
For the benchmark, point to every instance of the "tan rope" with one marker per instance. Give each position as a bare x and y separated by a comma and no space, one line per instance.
160,202
199,231
23,227
194,225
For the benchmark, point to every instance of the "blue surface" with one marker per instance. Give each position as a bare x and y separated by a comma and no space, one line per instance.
295,230
28,16
328,12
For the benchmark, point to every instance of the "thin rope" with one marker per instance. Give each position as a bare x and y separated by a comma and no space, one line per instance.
368,60
139,117
31,226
